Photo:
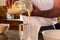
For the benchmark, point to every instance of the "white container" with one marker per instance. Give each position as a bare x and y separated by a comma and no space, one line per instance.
51,35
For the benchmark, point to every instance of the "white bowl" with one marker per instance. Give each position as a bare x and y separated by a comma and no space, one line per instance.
51,35
4,27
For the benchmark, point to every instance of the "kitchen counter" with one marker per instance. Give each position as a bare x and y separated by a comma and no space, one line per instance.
14,24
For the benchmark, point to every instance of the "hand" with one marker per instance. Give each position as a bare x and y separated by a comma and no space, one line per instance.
14,7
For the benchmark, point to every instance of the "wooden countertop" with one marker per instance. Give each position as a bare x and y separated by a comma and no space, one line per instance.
14,24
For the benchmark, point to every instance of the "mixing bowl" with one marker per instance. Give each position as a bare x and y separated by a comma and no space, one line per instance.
51,35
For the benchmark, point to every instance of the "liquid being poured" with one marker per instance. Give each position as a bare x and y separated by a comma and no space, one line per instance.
29,38
29,9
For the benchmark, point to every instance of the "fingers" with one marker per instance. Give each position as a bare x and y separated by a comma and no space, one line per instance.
9,3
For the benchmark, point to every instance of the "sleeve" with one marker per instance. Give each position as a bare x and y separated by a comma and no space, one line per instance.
43,4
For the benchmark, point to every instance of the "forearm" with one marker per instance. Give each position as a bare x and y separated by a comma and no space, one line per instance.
55,12
50,13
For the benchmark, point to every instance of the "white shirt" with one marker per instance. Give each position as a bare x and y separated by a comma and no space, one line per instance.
43,4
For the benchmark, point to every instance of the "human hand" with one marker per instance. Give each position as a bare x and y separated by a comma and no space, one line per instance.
15,7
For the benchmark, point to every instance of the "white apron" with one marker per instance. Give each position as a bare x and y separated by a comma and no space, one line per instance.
37,22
